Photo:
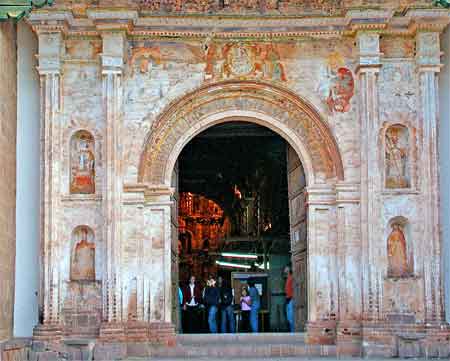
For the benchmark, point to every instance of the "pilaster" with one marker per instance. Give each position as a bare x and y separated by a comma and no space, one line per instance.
428,66
348,331
112,62
50,71
368,43
322,265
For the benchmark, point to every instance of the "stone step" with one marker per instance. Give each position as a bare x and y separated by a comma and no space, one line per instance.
240,338
233,346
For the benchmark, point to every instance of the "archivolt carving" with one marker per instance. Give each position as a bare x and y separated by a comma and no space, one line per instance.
275,102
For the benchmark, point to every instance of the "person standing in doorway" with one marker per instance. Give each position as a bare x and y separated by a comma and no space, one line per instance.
212,297
246,306
180,309
255,305
226,307
289,290
192,296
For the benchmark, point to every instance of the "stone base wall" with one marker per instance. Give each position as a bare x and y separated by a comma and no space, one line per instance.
8,114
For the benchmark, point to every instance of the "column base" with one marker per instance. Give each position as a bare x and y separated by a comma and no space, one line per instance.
349,338
160,333
321,333
405,340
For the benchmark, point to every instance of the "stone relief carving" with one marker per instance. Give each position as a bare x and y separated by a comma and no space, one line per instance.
399,264
83,257
336,85
143,60
82,163
397,157
239,60
238,6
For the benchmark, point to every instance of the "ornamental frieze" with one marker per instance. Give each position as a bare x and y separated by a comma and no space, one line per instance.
240,6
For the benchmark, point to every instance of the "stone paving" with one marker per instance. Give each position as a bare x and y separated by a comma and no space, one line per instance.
269,359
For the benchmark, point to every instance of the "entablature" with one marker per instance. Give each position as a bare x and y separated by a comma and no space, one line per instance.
137,24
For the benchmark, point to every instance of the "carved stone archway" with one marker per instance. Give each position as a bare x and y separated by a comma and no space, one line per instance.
272,106
300,124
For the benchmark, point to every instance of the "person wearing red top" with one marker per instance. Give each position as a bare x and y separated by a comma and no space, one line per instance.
192,298
289,289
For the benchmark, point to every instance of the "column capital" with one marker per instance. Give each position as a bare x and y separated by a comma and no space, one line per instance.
348,193
428,51
51,50
368,43
114,51
321,195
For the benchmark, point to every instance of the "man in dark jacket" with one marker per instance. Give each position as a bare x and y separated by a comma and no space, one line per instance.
226,307
211,298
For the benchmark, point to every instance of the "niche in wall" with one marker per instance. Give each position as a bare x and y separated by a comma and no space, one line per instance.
82,163
82,266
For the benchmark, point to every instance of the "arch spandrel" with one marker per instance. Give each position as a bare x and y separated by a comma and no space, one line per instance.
272,106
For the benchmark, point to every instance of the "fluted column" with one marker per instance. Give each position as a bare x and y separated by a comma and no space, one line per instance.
112,70
428,63
369,67
50,48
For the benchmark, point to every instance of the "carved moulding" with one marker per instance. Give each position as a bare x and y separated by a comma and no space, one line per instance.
240,97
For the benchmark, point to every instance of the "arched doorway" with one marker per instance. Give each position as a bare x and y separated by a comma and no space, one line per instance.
311,141
241,190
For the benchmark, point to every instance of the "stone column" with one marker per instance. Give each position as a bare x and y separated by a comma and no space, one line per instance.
349,268
322,265
428,66
50,53
369,66
112,61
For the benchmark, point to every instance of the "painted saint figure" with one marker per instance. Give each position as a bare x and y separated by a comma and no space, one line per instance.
336,86
397,255
83,164
83,262
396,159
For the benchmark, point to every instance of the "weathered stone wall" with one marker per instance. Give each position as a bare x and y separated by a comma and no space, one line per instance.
8,115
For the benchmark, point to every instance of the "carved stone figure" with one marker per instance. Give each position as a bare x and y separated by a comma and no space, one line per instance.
82,163
396,157
83,259
397,254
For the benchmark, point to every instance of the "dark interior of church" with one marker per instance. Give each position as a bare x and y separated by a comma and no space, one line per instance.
233,210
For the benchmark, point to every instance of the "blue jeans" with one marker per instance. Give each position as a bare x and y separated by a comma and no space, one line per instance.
290,315
254,317
212,322
228,314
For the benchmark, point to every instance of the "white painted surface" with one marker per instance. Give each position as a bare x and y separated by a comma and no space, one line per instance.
444,145
27,212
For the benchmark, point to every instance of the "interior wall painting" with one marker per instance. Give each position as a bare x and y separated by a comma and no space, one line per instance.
82,163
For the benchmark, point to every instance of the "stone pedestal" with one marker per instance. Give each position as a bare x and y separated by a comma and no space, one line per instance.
321,333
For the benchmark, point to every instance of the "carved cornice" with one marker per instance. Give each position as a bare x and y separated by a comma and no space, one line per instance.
136,24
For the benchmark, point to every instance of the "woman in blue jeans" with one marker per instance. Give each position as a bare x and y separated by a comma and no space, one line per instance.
255,305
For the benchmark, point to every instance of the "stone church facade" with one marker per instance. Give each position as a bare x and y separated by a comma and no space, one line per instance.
350,85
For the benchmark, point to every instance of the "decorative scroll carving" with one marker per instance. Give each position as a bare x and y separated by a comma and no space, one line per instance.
82,163
239,60
83,257
396,157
